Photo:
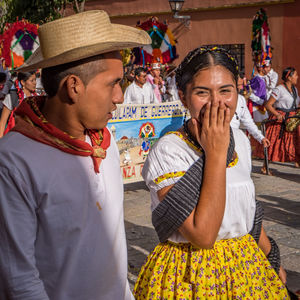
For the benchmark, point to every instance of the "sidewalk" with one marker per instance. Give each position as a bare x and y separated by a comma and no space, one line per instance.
280,195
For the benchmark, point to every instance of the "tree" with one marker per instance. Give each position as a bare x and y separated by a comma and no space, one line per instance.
36,11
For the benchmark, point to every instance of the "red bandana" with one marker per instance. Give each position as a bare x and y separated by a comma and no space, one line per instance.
31,123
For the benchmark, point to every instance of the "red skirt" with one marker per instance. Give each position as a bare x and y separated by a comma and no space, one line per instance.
283,149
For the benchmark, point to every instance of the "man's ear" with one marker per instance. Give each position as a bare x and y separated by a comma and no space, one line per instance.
182,98
74,87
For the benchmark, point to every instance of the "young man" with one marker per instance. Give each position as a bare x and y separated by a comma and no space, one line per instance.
61,195
139,91
270,76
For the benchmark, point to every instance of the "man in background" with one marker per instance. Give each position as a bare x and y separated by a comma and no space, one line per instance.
140,91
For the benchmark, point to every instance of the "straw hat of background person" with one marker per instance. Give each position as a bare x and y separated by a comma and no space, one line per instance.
81,36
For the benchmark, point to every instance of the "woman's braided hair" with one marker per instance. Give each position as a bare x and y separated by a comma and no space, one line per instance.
201,58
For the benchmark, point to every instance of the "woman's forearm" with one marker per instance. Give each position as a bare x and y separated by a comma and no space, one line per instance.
202,226
264,243
269,106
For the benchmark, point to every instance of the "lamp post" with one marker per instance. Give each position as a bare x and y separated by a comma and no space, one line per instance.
176,6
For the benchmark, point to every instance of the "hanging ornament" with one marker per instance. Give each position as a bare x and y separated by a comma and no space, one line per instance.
162,49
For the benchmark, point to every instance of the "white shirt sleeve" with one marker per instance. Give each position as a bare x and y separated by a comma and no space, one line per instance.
247,121
127,95
273,80
256,99
8,102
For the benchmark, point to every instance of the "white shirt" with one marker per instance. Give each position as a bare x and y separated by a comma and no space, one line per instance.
58,242
271,80
243,117
135,94
283,97
172,88
172,154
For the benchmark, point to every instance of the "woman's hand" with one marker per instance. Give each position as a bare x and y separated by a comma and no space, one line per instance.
212,129
279,117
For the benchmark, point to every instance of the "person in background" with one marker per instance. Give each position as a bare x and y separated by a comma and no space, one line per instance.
39,86
23,87
156,81
270,76
243,119
171,86
2,84
62,233
6,83
283,103
140,91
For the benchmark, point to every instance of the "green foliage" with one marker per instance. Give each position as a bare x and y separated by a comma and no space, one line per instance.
36,11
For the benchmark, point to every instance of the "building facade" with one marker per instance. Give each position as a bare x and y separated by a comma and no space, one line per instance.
219,22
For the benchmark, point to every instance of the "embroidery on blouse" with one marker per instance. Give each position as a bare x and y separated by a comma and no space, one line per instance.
161,178
234,160
185,140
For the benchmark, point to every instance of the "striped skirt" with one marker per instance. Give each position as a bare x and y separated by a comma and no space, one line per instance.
232,269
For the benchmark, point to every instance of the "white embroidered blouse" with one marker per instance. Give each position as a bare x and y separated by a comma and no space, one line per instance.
172,156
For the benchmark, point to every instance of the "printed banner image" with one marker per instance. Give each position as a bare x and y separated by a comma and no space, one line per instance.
137,127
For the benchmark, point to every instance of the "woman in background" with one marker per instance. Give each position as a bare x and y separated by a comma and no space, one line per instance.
23,87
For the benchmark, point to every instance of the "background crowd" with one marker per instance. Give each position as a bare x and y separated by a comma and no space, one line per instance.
262,98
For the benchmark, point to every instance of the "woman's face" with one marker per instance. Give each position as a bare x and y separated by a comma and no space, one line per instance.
294,78
30,83
215,84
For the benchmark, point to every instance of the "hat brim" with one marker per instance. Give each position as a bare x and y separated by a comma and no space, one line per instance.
121,37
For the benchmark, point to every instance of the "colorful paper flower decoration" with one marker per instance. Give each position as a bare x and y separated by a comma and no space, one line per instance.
18,41
162,49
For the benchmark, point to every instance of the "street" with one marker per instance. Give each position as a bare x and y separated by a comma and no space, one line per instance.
280,195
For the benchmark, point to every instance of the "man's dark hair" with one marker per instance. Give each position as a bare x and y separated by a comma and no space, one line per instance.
2,77
85,69
139,70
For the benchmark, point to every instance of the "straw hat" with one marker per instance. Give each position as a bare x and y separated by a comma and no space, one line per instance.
80,36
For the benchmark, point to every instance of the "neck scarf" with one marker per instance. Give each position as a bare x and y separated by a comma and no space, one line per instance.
31,123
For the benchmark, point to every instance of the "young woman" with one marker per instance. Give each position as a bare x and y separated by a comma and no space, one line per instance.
284,103
203,198
24,87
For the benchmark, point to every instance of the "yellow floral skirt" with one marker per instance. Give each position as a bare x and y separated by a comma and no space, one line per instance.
232,269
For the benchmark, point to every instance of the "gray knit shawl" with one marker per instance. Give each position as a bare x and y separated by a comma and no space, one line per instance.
183,197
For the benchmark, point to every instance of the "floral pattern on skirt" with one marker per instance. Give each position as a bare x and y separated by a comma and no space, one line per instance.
232,269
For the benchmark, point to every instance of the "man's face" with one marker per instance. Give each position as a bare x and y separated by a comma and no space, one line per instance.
141,79
266,69
155,72
102,93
